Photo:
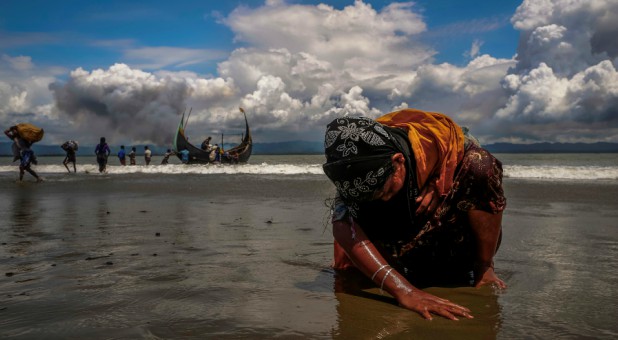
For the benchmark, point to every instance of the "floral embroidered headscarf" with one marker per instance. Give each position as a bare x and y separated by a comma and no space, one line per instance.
358,157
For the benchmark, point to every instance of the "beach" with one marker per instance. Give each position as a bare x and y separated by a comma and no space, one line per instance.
194,252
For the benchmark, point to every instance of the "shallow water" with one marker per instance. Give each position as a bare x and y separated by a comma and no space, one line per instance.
246,255
128,257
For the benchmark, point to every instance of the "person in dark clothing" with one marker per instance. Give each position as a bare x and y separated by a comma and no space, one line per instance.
102,151
206,144
166,156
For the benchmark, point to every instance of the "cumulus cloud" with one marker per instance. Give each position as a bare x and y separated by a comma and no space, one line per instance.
302,65
358,39
23,89
563,74
356,61
123,102
566,71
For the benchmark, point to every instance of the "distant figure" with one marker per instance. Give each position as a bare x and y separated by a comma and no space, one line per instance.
184,156
206,144
23,152
122,156
147,155
132,156
70,147
218,152
102,151
166,156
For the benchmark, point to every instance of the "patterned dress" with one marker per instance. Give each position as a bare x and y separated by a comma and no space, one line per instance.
439,248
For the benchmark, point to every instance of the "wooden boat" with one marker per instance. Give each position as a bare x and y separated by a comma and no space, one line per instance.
237,154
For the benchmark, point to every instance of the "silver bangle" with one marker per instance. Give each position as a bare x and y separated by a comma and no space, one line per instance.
384,278
377,271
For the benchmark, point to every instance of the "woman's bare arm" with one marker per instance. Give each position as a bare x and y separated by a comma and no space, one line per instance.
368,260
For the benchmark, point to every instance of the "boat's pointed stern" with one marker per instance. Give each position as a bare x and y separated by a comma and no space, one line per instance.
181,128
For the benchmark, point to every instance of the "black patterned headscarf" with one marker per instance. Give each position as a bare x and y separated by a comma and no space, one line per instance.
358,157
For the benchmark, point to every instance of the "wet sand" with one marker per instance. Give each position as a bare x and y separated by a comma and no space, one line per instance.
244,256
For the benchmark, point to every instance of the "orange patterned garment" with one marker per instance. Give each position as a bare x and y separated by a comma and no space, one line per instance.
437,143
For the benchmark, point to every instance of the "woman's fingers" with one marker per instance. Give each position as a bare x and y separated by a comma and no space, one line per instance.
454,305
461,311
456,309
444,311
429,305
426,314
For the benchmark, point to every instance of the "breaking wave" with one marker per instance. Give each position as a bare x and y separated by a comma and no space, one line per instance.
537,172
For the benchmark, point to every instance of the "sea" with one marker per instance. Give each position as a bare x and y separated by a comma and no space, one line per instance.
244,252
538,166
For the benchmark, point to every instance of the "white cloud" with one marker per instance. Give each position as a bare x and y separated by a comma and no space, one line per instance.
21,63
133,104
362,41
23,88
302,65
475,49
566,71
270,105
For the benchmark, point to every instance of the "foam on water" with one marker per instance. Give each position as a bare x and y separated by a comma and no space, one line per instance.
537,172
561,172
257,169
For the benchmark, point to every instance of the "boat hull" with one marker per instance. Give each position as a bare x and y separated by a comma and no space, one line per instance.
199,156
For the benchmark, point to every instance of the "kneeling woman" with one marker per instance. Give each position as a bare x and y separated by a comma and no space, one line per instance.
418,203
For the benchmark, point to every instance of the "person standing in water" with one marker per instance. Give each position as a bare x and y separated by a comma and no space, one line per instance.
23,152
70,147
184,156
147,155
122,156
132,156
102,151
166,156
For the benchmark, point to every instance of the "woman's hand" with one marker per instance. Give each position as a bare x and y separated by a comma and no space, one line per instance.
428,200
487,276
427,304
364,255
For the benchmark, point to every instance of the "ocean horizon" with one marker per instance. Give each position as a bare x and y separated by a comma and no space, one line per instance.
317,148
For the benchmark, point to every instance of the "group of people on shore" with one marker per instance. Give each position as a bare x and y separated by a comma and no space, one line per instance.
102,151
22,151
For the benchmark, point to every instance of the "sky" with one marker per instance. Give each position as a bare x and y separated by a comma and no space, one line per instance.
511,71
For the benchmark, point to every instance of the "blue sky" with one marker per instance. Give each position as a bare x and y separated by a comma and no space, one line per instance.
126,68
94,34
